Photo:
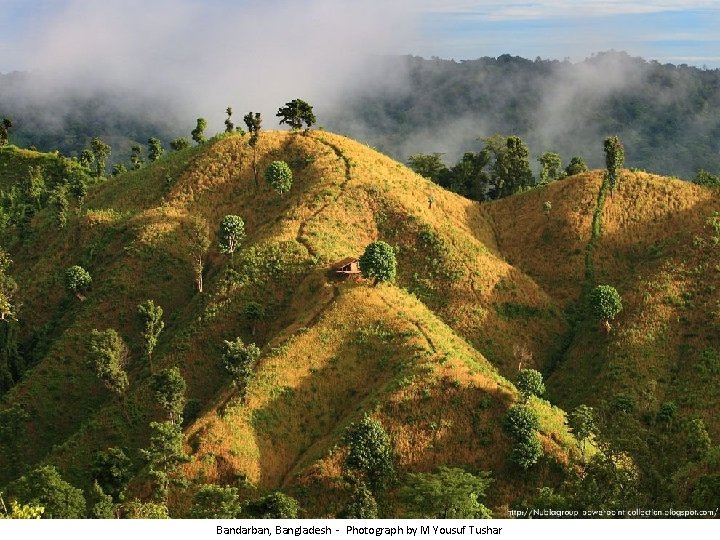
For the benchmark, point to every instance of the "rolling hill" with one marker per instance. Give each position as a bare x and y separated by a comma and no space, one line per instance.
482,290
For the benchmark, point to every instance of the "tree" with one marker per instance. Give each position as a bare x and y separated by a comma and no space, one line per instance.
254,312
526,452
216,502
295,113
530,383
550,167
45,487
86,158
101,505
362,504
704,178
169,388
20,511
136,509
151,319
614,159
78,188
77,281
155,149
5,126
101,151
606,304
8,288
253,121
35,185
60,205
198,134
279,176
370,452
136,159
428,166
521,423
196,232
547,208
582,423
112,470
277,505
164,455
239,360
576,166
449,493
108,356
179,144
231,233
118,169
229,125
378,262
511,171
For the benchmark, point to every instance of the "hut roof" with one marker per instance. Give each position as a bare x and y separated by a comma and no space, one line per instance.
344,262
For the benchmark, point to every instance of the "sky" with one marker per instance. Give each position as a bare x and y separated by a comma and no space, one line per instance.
674,31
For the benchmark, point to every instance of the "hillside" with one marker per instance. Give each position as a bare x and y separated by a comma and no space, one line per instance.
480,289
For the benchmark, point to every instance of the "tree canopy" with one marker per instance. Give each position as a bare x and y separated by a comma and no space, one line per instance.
295,113
378,262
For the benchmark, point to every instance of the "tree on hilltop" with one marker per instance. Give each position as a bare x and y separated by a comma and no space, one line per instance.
614,159
577,165
5,126
179,144
101,151
511,171
136,160
155,149
550,167
198,134
295,113
229,125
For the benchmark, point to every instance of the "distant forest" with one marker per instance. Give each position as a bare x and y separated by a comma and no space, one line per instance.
667,116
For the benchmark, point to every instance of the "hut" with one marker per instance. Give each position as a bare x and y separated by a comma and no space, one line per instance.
348,268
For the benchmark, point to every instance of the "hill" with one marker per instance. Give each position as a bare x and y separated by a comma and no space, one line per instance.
480,290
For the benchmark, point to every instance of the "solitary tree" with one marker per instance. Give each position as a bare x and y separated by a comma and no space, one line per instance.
576,166
229,125
253,121
606,304
164,455
196,232
582,423
101,151
5,126
279,176
108,356
179,144
77,281
530,383
295,113
378,262
254,312
614,159
511,170
239,360
155,149
198,134
547,208
550,167
370,452
8,288
86,158
151,319
169,388
231,233
136,159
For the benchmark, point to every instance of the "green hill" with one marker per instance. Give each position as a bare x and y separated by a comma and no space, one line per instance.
482,290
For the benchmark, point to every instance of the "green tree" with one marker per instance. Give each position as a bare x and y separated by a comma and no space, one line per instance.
253,121
101,505
164,456
370,452
547,208
198,134
295,113
45,487
5,126
231,233
179,144
196,232
60,205
582,423
526,452
155,149
428,166
550,167
378,262
606,304
239,360
86,158
20,511
229,125
614,159
530,383
576,166
279,176
704,178
277,505
118,169
697,439
254,312
13,438
108,356
79,188
8,288
35,185
216,502
511,171
77,281
520,422
169,389
449,493
150,315
101,151
362,504
136,509
136,160
112,470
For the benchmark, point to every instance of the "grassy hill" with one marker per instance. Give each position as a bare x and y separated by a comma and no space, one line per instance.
480,290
